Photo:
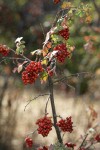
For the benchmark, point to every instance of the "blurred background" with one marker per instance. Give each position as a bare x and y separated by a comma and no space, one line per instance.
78,97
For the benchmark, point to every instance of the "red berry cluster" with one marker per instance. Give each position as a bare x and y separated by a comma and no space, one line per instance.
66,124
70,145
49,71
29,142
43,148
64,33
56,1
62,52
4,50
45,125
31,72
97,138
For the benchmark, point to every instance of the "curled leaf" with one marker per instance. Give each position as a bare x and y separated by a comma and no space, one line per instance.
18,40
52,54
37,52
20,67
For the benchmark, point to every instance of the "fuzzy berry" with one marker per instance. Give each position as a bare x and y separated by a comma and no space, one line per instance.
56,1
97,138
29,142
62,52
64,33
70,145
31,72
66,124
43,148
44,125
4,50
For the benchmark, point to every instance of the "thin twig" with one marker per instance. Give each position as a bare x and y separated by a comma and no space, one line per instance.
56,18
63,135
59,116
83,141
47,105
31,133
92,144
42,30
76,74
2,61
13,58
21,55
34,99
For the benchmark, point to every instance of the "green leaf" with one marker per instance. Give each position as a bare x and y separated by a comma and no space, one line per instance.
19,50
44,77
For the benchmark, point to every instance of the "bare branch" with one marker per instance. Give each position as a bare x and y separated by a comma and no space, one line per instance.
34,99
2,61
13,58
31,132
83,141
76,74
21,55
47,105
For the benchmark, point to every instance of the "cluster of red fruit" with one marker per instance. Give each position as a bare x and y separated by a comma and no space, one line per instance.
66,124
64,33
4,50
43,148
29,142
31,72
45,125
62,52
70,145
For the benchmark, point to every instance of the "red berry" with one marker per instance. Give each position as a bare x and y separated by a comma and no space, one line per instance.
29,142
44,125
70,145
31,72
56,1
97,138
64,33
4,50
66,124
49,71
62,52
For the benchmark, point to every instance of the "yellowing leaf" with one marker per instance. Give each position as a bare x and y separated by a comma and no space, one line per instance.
37,52
88,19
44,62
45,51
49,44
44,77
66,5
